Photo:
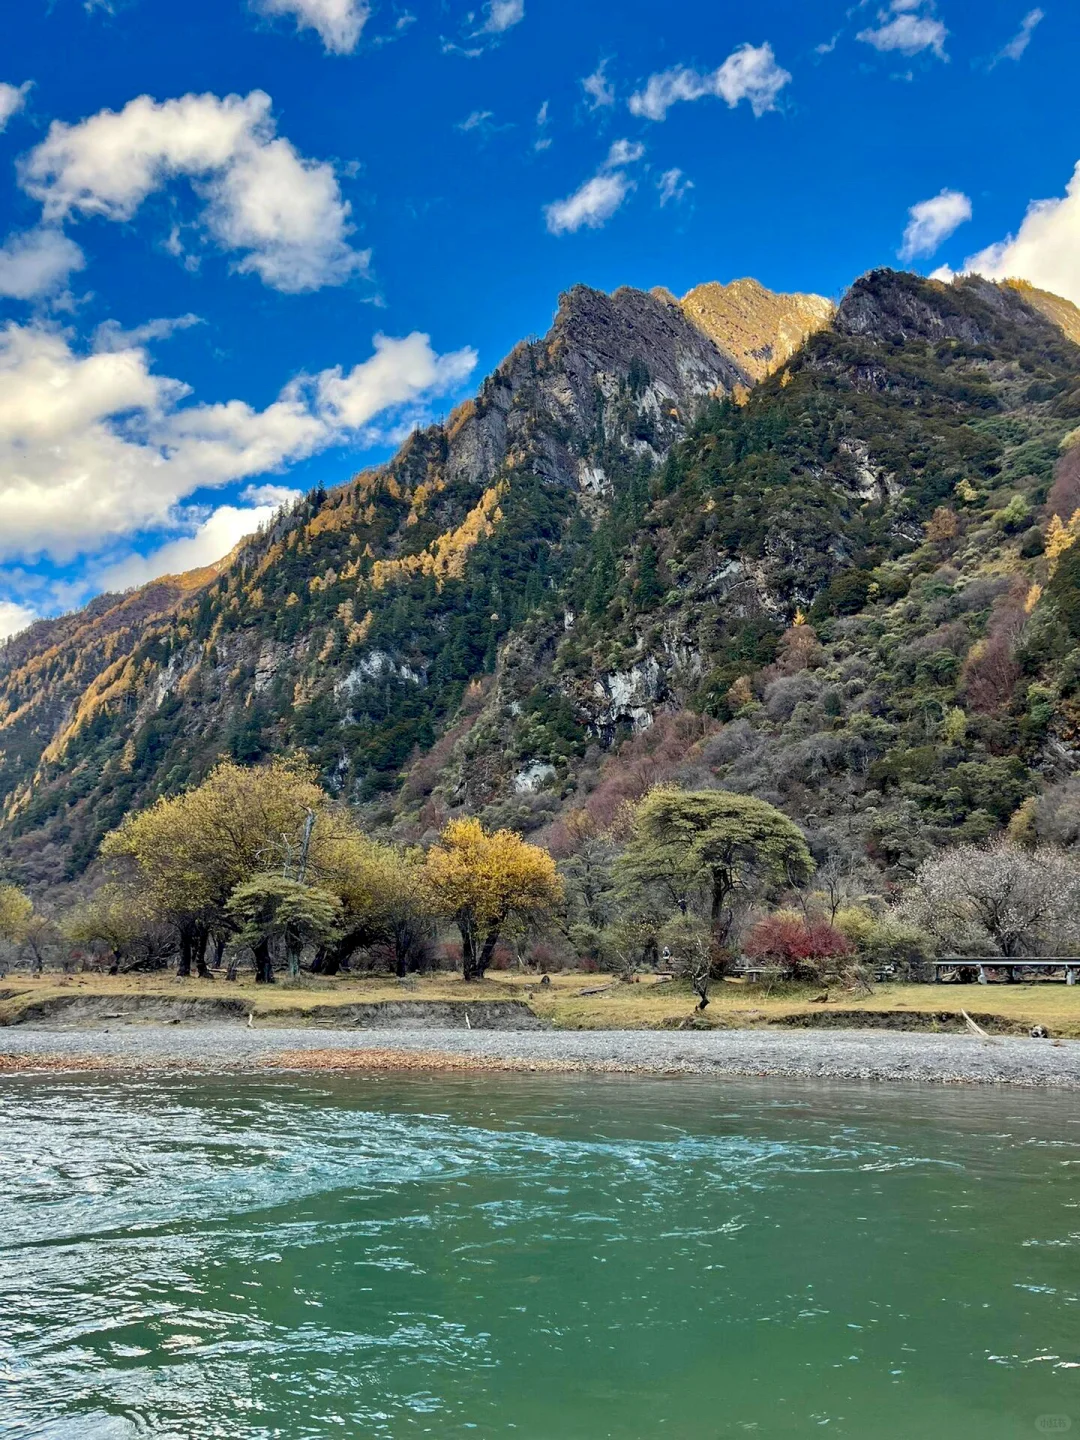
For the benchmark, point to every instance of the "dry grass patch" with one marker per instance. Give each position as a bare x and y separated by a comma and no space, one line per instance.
645,1005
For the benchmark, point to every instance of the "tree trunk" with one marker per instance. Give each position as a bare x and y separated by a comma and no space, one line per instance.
264,964
487,954
721,887
468,946
202,944
331,959
187,947
701,990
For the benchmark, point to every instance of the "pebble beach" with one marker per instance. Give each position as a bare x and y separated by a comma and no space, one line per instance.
832,1055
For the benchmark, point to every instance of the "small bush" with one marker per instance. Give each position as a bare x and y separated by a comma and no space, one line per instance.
797,944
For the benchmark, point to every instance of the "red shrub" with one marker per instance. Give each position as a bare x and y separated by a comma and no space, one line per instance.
795,943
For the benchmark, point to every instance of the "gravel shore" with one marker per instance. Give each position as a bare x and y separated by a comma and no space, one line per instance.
840,1054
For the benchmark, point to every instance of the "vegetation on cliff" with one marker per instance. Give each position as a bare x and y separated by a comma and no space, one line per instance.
850,592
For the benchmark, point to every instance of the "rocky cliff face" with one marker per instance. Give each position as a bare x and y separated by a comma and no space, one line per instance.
760,329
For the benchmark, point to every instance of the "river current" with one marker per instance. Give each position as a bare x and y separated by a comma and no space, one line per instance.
535,1257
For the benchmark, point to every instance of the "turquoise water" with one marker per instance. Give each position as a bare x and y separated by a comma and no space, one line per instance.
539,1258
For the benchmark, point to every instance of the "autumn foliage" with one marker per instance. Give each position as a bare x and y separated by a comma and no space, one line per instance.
481,879
796,943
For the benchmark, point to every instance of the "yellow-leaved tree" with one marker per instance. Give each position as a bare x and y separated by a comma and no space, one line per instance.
480,879
21,925
384,898
15,912
191,851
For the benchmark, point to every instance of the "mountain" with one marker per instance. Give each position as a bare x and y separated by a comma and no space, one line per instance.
760,329
740,538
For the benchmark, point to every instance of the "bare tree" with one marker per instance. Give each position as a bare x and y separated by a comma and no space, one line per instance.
693,951
1000,900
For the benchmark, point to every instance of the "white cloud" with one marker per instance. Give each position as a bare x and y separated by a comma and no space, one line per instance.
12,100
673,185
599,88
94,447
593,204
212,540
14,617
273,495
37,263
904,29
283,213
502,15
1022,39
110,335
931,222
543,120
339,23
478,120
1045,250
749,73
624,152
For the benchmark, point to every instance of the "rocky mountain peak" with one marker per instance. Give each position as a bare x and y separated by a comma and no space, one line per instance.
759,328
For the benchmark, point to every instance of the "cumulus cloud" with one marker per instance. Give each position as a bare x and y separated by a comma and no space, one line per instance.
37,263
593,204
96,446
1022,39
907,27
1045,250
14,617
501,15
12,100
273,495
749,73
339,23
212,539
284,214
543,120
673,185
931,222
598,88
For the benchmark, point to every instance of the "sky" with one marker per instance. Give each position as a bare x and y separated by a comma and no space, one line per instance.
247,245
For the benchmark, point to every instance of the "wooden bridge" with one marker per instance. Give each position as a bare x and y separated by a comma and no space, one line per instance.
1005,970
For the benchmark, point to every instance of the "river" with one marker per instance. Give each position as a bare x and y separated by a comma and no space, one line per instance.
535,1257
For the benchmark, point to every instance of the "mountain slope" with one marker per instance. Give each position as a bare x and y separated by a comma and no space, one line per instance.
354,625
885,485
590,576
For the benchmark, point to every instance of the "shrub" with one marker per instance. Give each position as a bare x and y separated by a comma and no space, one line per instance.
796,943
885,940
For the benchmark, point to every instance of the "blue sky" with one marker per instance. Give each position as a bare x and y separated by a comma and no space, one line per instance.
246,244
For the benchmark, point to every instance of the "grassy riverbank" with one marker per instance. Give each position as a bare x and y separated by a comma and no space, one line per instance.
568,1004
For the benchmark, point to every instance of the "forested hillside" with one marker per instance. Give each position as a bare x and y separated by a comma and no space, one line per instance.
828,567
